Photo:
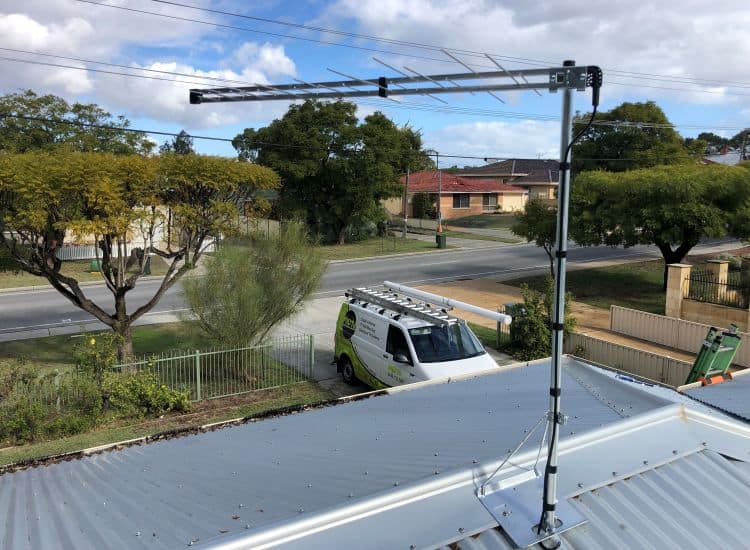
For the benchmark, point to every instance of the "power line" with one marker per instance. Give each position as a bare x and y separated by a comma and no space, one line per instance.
258,143
418,45
450,109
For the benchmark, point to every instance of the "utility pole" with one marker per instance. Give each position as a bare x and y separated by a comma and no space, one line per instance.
440,193
406,201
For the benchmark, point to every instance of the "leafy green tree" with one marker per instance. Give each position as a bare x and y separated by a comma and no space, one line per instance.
672,207
48,197
28,122
334,170
181,144
423,206
629,142
537,222
251,285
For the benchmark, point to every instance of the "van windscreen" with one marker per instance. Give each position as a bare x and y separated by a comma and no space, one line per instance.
449,343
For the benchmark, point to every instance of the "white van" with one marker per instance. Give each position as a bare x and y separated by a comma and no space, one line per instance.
383,339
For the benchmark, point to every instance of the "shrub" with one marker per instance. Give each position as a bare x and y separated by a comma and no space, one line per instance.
96,354
142,394
530,333
423,206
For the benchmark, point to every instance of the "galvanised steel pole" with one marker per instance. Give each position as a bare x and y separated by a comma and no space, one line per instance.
549,519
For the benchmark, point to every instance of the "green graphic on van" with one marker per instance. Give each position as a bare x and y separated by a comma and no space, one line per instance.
349,325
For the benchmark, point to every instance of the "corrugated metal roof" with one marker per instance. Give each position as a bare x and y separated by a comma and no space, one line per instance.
698,501
731,396
169,493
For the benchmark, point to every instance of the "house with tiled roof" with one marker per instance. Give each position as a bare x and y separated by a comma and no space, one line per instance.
538,176
459,196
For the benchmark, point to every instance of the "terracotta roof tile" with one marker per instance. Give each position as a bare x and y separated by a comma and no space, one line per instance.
428,182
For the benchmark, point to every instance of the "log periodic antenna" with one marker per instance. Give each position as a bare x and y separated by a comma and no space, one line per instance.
524,527
551,79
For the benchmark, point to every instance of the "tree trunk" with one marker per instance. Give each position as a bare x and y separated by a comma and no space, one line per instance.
672,256
551,262
342,236
122,328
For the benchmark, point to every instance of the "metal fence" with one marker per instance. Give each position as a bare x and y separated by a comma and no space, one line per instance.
669,331
704,287
221,373
653,366
85,252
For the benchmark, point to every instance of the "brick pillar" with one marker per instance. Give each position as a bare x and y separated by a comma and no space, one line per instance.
677,281
719,270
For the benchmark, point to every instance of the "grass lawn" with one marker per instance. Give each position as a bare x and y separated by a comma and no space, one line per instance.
488,221
56,352
375,247
78,269
464,235
203,413
487,336
634,285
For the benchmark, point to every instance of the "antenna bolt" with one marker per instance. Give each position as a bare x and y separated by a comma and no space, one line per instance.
460,529
506,513
614,474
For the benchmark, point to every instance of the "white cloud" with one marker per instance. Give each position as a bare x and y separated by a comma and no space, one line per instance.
681,39
73,29
523,139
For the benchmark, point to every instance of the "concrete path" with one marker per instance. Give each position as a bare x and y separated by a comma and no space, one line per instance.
457,242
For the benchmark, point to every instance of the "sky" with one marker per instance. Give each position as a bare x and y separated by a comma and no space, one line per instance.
689,57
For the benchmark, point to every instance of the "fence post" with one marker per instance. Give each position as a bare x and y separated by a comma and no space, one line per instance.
312,356
198,375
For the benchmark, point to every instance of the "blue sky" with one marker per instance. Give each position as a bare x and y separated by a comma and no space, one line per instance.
691,60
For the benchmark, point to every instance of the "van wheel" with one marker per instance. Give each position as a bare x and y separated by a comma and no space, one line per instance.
347,371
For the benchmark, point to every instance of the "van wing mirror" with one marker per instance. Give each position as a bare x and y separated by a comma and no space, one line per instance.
400,358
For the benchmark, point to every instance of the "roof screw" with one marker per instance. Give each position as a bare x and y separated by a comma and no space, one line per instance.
506,513
241,505
580,485
614,474
309,485
458,420
484,441
395,484
460,529
351,495
247,526
704,444
137,533
300,510
437,472
475,461
436,454
412,546
366,472
645,462
674,452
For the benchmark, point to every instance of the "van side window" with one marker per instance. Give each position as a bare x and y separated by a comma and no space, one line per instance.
397,342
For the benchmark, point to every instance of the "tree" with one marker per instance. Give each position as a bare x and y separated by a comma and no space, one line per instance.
335,171
629,142
251,285
48,197
672,207
181,144
538,223
30,122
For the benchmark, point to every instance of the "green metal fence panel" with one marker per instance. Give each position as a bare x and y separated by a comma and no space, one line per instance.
220,373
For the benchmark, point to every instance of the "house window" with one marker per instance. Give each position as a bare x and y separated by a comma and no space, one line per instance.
460,200
489,202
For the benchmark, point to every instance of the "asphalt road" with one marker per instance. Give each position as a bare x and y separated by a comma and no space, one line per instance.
26,311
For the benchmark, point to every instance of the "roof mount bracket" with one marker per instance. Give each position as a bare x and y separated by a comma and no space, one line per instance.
516,509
